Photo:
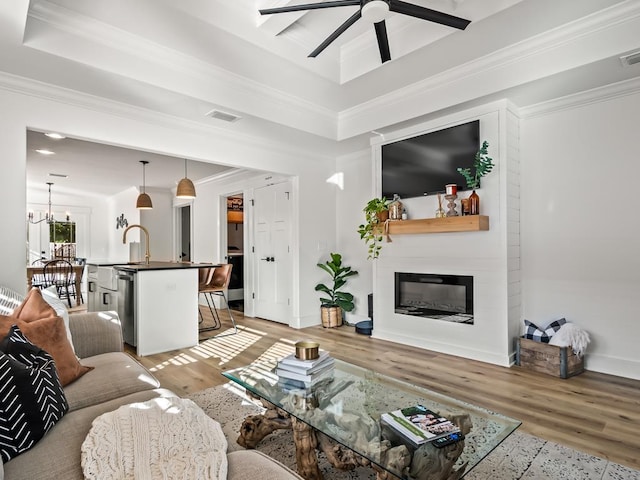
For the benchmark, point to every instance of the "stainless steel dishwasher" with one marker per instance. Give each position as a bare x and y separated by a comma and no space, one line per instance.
127,307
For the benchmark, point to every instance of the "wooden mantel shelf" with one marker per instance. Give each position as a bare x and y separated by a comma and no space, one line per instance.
468,223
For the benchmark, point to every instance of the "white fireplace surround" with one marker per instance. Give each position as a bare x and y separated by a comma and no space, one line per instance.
492,257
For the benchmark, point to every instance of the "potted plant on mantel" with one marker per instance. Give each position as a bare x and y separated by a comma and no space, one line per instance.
482,165
376,212
332,306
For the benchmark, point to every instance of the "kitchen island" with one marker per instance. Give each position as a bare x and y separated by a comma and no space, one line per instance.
158,305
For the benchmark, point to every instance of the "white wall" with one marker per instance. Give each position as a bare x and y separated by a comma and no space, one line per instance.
580,225
357,190
159,222
124,203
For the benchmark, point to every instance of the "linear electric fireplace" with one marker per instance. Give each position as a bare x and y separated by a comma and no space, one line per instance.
443,297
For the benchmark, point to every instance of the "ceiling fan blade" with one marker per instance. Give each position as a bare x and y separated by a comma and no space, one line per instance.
339,31
310,6
383,41
428,14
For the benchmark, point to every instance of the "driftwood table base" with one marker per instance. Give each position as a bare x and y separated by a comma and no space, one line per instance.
427,462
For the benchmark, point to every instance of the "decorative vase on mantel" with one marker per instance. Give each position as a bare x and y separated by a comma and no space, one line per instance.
474,203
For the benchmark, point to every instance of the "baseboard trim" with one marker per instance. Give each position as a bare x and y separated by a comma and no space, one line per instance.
620,367
449,349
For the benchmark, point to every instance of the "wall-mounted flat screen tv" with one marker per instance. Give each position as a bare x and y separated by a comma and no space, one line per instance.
423,165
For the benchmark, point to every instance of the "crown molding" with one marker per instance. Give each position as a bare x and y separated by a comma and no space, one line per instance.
229,176
273,102
53,93
588,97
466,78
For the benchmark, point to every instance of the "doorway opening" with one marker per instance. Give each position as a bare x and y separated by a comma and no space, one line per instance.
184,233
235,250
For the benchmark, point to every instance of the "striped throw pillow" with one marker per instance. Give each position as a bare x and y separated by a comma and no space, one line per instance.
9,300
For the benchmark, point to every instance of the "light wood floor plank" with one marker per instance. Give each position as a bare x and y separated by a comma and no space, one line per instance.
592,412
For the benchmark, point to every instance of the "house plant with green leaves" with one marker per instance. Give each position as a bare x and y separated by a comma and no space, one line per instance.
482,165
335,300
376,212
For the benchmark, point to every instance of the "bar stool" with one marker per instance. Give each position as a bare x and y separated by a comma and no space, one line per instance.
216,282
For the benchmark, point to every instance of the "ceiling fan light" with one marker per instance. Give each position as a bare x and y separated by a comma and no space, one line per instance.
144,202
186,189
375,11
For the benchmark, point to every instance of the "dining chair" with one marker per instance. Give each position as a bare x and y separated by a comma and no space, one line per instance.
72,287
59,274
216,282
37,279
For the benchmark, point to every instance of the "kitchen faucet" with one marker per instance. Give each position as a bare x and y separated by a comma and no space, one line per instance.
147,255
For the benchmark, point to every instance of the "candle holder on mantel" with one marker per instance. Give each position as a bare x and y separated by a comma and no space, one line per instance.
440,213
451,205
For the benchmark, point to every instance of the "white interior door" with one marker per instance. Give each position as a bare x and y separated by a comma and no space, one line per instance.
272,240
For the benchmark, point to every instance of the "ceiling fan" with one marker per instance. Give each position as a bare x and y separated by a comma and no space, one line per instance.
374,11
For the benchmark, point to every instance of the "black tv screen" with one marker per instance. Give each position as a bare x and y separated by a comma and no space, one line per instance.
423,165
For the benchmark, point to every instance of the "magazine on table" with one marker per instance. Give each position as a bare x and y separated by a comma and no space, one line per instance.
419,424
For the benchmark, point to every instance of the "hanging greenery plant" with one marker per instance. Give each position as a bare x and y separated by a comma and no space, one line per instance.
375,212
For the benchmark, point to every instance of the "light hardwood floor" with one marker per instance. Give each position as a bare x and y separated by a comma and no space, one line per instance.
594,413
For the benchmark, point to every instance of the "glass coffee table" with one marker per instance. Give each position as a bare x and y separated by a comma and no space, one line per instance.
341,417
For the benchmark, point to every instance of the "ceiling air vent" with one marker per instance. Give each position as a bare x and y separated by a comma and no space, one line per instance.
224,116
59,175
632,58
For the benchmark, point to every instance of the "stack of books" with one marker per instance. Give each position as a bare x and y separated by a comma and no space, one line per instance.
419,424
303,374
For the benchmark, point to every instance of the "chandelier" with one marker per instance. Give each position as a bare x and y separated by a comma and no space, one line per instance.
48,216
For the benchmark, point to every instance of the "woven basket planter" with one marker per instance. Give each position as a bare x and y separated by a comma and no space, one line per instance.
331,316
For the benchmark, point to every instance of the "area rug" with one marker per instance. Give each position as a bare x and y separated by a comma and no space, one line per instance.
520,456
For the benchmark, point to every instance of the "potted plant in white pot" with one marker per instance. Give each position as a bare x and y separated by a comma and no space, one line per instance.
482,165
376,212
335,301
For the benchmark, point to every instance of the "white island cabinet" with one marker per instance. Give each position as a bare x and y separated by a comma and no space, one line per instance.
158,305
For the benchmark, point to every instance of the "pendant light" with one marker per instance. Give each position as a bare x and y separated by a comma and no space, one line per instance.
144,200
185,186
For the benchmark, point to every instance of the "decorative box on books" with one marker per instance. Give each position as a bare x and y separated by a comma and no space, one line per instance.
550,359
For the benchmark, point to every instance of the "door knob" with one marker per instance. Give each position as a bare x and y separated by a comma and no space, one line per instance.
273,259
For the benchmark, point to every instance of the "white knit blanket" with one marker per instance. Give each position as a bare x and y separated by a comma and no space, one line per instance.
165,438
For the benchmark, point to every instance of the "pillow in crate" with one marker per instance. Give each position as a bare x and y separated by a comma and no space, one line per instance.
533,332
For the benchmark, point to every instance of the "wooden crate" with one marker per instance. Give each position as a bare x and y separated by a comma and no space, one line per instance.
550,359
